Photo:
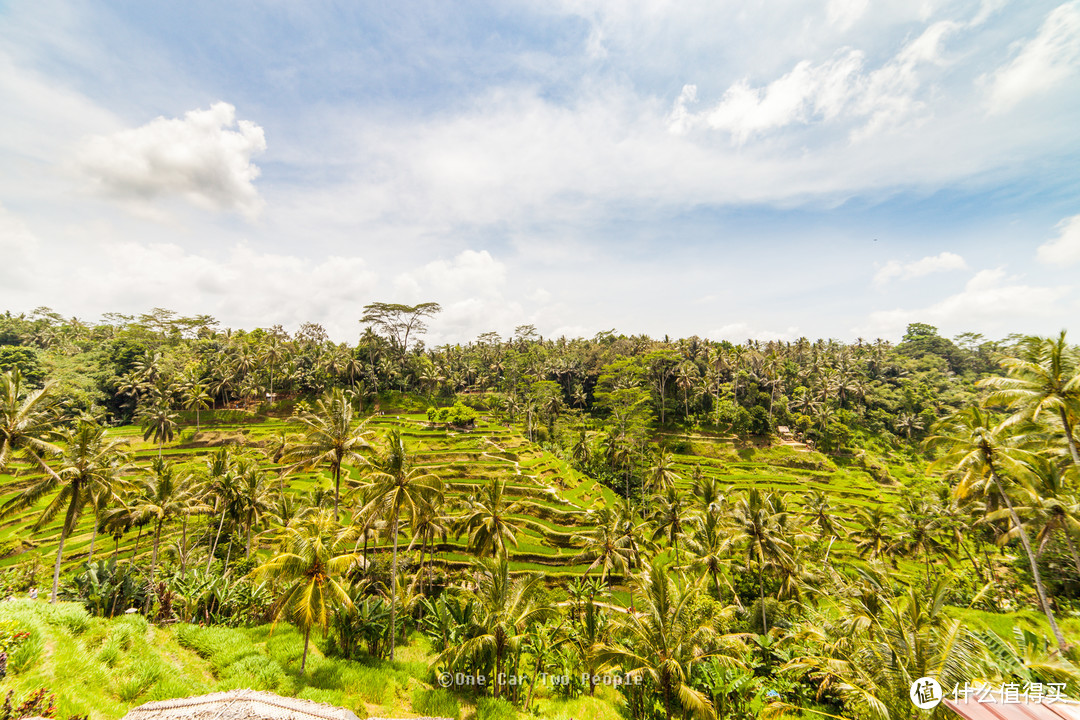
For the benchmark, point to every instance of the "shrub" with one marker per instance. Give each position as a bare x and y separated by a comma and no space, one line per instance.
256,672
27,653
436,703
495,709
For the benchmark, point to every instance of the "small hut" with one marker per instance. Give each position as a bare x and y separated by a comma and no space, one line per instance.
238,705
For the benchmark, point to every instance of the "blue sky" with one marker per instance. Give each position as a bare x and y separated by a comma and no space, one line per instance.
731,170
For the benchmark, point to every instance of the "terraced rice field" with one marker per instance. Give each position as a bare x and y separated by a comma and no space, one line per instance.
559,497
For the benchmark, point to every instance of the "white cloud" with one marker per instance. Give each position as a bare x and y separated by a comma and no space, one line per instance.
918,268
1042,63
844,13
470,273
990,301
1065,248
204,157
822,92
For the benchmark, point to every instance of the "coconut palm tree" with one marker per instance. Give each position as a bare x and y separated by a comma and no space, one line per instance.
873,534
607,544
1044,379
311,559
670,517
88,468
758,526
489,520
878,644
666,638
662,475
506,609
27,421
397,487
332,436
164,495
158,420
978,451
255,497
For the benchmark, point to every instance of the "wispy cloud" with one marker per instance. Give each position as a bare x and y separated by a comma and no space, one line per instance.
1065,248
1042,63
894,269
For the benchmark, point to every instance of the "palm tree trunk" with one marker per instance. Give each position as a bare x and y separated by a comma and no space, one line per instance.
247,550
157,540
93,538
213,548
1031,560
393,592
1069,437
337,488
183,550
761,587
307,636
59,558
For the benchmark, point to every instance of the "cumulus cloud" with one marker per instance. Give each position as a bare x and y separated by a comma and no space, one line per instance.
1065,248
839,86
990,300
918,268
205,157
1041,63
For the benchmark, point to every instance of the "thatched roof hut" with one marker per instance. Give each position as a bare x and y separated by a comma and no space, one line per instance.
238,705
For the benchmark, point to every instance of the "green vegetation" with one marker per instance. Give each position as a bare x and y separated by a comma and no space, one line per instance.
615,527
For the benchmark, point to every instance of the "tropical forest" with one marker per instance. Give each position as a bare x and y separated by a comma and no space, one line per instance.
618,526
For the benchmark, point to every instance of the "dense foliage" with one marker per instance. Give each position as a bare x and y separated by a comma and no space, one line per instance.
693,598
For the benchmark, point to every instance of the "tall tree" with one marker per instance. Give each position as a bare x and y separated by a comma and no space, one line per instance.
27,421
397,487
1044,379
312,557
88,468
978,450
397,322
331,436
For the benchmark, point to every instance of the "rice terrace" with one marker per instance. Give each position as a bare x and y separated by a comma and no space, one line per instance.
569,528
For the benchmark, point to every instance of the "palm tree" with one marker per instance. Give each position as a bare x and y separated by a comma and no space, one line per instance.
88,469
873,535
489,520
196,397
1044,379
667,638
977,450
27,421
396,486
670,516
158,421
880,644
506,609
223,483
757,524
820,511
607,544
331,436
662,475
164,495
254,497
312,556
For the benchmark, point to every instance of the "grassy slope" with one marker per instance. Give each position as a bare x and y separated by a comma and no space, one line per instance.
105,667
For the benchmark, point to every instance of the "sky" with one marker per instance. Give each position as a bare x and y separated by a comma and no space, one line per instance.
731,170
